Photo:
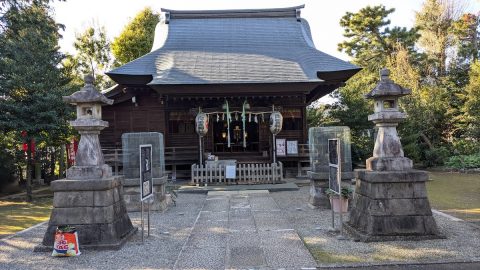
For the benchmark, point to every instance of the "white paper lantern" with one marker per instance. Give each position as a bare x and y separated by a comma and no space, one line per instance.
201,124
276,122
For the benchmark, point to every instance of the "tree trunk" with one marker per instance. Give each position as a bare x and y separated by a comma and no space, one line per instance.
61,162
426,140
29,171
53,160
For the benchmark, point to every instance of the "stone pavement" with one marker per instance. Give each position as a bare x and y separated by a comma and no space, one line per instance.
219,231
243,229
252,231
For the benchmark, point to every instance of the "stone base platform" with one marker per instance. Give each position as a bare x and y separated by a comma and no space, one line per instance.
391,205
95,208
131,195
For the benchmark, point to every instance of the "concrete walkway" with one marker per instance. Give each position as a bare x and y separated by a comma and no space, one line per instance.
243,229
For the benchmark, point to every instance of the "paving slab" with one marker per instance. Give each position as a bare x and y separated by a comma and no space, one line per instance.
261,238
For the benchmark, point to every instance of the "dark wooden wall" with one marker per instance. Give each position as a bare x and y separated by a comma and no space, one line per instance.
148,114
151,111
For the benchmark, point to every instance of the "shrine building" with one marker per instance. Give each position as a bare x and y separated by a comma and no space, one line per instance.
237,66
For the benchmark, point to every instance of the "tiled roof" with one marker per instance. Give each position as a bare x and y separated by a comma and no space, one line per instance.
232,46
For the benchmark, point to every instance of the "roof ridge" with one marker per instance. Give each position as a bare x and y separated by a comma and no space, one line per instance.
234,13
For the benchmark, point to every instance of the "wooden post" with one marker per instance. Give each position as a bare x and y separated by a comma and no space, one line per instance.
61,162
29,171
116,161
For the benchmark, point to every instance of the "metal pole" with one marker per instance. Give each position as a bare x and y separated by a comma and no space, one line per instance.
141,217
333,218
148,219
200,148
274,150
341,237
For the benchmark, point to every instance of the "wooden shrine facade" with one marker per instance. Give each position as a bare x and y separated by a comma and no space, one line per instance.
144,110
202,59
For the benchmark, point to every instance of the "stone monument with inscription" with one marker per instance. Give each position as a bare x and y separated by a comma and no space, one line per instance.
90,198
318,144
390,200
131,170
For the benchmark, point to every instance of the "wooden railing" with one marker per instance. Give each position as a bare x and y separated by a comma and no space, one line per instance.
114,158
303,150
181,155
246,173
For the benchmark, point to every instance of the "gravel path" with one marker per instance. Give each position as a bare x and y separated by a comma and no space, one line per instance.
246,231
462,243
227,230
169,232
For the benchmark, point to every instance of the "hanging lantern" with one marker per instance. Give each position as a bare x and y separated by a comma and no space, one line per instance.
276,122
249,117
201,124
218,117
255,119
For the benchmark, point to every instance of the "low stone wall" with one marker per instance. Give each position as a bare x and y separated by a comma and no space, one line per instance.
131,195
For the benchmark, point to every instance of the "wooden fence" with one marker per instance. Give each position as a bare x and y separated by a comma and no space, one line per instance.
246,173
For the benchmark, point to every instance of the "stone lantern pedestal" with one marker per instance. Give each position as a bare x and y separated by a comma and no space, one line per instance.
390,200
90,198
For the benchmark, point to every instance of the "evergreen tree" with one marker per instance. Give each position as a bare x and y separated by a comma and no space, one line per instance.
136,38
435,21
369,39
471,107
93,55
31,83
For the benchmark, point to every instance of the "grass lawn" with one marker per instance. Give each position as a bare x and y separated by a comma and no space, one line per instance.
457,194
17,215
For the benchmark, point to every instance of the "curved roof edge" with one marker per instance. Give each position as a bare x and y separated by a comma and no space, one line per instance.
234,13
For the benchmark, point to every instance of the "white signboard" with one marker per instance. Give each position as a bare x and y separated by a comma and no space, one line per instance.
280,147
230,171
292,147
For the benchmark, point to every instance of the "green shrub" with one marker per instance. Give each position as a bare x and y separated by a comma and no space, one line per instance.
436,156
465,147
7,168
464,161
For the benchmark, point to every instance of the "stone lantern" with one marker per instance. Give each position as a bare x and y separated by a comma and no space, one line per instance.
388,152
90,198
89,162
390,200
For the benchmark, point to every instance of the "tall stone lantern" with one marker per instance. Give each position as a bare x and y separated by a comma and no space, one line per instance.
390,200
89,162
388,151
90,198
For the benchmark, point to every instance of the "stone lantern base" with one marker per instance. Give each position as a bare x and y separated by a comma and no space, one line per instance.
95,208
391,205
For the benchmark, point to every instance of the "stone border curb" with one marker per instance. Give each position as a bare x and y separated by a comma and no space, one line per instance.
407,263
23,231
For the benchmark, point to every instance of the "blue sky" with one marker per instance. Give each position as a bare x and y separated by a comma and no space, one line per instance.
323,16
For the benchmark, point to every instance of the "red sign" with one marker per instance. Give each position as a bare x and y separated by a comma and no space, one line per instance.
72,151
